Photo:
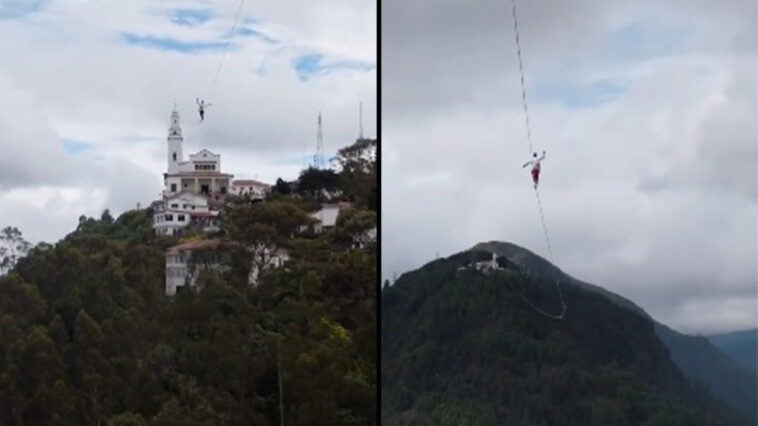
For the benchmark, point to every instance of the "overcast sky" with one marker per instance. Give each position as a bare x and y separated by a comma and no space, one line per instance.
647,111
88,87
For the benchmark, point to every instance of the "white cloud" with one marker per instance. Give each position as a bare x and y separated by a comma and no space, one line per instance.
70,74
651,194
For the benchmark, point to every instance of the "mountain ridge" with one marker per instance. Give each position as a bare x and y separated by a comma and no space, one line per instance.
712,365
436,301
741,345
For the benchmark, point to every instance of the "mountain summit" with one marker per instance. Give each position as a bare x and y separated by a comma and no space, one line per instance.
461,346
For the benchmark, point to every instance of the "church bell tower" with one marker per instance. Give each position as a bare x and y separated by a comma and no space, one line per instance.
175,140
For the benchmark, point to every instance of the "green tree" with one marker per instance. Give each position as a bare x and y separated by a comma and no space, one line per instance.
13,246
356,228
281,187
315,182
87,335
106,217
264,230
357,169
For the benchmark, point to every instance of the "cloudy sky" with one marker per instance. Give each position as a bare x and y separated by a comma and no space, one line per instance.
647,111
88,86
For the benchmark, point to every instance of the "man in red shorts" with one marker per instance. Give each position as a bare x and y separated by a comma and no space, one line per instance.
535,167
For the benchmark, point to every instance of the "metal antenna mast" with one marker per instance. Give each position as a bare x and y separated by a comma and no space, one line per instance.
318,158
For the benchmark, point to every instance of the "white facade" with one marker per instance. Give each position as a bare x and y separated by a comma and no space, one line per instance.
175,213
488,265
187,202
177,270
207,183
175,139
204,161
200,175
326,216
178,274
190,187
251,188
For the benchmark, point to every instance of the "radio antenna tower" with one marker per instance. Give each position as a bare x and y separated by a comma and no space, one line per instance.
318,158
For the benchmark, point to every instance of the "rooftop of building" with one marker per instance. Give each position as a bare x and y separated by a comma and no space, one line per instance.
200,173
251,182
193,245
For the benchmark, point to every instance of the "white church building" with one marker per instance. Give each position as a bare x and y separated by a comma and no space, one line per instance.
200,175
194,189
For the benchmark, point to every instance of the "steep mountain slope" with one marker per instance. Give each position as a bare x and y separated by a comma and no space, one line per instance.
740,345
700,361
461,347
695,356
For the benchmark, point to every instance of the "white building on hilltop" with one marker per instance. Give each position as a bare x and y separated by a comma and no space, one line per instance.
200,175
488,265
191,188
176,212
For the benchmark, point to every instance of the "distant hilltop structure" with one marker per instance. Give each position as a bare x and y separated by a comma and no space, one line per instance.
194,190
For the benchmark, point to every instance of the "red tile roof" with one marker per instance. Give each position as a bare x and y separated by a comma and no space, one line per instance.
192,245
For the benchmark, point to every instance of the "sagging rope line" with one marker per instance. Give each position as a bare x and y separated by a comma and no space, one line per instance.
536,192
540,311
550,252
544,227
557,283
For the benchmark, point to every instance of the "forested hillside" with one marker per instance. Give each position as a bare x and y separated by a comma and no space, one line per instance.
462,347
695,356
87,335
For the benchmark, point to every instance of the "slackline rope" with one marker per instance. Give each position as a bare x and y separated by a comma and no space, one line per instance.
536,191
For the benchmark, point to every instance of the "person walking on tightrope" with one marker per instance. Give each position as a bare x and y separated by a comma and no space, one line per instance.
535,167
201,107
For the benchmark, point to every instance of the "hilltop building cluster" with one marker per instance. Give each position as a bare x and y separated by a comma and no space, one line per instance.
195,190
193,198
484,266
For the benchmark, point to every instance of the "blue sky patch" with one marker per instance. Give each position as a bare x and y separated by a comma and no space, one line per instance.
249,32
635,42
191,17
75,147
577,95
167,43
314,65
14,9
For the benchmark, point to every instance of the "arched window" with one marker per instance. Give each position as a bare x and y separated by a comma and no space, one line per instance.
174,156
